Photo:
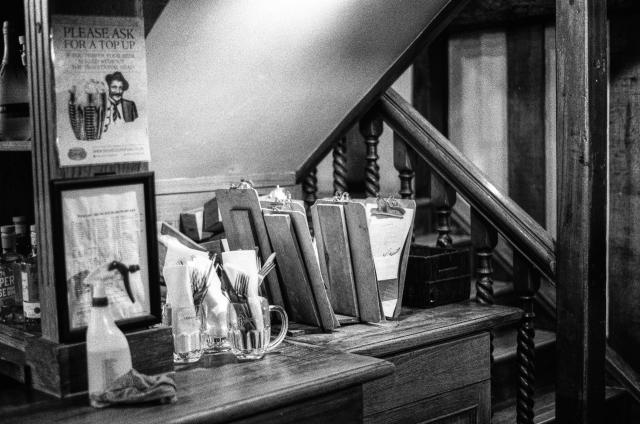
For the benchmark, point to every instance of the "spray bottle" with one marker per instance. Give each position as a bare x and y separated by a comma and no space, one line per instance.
108,354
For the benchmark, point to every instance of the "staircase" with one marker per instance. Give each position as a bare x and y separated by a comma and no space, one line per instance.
621,408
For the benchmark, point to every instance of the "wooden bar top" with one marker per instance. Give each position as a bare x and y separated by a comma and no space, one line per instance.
216,389
415,327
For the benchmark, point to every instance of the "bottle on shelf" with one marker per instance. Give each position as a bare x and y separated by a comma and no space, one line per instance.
10,312
29,282
22,235
14,91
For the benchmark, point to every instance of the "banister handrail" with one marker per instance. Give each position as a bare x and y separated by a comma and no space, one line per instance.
518,227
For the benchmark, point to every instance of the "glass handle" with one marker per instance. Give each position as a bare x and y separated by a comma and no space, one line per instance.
283,329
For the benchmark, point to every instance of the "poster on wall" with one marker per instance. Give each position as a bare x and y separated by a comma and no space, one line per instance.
101,89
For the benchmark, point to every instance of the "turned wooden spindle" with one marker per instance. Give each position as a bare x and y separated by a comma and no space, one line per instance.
371,129
310,190
404,159
340,165
443,197
484,238
527,283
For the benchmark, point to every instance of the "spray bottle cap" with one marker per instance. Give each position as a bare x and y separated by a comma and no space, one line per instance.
99,297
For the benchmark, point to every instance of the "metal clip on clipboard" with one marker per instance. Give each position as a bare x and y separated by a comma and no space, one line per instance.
388,207
244,184
341,197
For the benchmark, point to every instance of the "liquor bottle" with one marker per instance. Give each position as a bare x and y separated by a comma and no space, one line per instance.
14,91
29,281
22,235
8,261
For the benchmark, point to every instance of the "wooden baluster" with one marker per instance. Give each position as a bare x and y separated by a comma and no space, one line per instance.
310,190
340,165
527,283
371,129
484,238
404,159
443,197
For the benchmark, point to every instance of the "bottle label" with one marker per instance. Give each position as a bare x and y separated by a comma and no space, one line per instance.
31,310
25,285
104,367
29,280
7,286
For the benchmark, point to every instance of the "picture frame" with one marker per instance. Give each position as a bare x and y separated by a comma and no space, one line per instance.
104,232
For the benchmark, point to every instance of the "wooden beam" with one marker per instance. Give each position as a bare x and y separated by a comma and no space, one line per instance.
483,14
581,45
491,13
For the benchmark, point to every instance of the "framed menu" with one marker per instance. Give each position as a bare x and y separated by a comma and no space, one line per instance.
104,233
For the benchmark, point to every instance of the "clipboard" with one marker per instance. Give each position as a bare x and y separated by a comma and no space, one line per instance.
332,241
245,229
379,289
303,285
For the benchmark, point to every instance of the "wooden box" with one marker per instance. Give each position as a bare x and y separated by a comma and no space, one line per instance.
436,276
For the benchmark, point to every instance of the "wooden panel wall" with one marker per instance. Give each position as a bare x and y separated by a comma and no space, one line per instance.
431,99
624,187
526,118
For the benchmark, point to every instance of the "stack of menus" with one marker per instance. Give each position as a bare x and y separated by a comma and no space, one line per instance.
363,247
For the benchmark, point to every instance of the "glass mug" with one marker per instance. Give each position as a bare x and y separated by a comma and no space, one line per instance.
250,327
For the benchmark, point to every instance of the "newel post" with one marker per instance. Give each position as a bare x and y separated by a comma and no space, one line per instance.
371,129
581,51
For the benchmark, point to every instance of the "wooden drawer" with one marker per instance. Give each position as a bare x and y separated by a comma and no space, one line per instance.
430,371
471,404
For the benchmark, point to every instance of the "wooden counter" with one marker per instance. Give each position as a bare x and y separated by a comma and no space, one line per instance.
294,384
430,365
442,362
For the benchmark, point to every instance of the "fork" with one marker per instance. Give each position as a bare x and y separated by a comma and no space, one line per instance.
241,284
268,266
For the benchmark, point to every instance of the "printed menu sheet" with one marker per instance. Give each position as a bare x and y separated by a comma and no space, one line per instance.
388,236
101,89
104,239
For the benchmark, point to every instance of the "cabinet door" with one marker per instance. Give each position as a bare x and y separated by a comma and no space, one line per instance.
431,371
471,404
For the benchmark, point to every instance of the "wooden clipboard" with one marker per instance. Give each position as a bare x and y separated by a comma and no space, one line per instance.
334,255
245,229
303,285
371,292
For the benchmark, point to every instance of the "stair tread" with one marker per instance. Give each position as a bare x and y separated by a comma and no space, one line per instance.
545,406
505,342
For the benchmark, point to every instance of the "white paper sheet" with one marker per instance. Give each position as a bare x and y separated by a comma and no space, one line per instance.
103,225
387,236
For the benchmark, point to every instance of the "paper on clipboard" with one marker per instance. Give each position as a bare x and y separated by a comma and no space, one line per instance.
388,236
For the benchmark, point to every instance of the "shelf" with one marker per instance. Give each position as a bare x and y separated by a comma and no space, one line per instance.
15,146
